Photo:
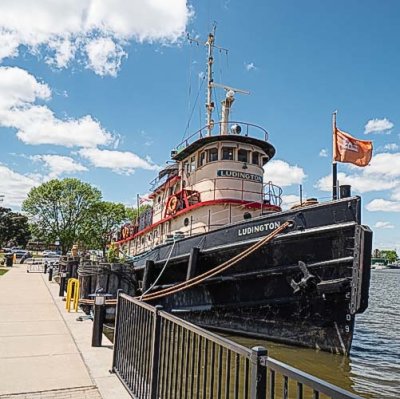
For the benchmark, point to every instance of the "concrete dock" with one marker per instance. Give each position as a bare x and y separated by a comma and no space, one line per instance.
44,351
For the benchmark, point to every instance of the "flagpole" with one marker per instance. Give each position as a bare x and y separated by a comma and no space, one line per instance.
138,206
334,163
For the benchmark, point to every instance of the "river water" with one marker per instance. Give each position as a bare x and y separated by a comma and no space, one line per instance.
373,368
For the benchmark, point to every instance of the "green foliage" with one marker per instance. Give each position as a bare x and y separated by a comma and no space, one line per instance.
132,213
61,210
14,228
112,254
390,255
105,217
3,271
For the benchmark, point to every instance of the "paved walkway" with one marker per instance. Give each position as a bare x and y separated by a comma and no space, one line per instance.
44,352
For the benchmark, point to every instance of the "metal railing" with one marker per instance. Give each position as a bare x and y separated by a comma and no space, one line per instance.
157,355
247,129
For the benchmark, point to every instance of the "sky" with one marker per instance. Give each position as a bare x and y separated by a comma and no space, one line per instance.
103,90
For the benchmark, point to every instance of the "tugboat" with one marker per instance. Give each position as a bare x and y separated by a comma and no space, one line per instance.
211,206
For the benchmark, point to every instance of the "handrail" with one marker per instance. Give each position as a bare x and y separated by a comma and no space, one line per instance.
201,133
321,386
151,346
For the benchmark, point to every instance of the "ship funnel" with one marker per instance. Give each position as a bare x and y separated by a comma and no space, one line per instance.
226,106
345,191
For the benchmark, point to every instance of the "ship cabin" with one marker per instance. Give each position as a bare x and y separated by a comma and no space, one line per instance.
211,181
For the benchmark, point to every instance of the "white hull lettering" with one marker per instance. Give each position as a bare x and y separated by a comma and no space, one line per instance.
258,228
239,175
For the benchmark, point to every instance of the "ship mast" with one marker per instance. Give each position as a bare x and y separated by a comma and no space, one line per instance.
210,61
230,91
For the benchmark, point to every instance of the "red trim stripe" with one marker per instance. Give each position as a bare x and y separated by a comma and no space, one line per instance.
251,205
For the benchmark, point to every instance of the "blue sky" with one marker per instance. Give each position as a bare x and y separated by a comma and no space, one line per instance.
103,90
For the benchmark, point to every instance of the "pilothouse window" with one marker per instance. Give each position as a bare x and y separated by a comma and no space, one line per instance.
243,156
265,160
228,153
202,159
255,160
212,155
192,164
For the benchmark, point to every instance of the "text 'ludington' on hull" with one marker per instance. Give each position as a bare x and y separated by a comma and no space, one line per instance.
216,248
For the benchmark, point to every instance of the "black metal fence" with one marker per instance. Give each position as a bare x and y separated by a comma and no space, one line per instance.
157,355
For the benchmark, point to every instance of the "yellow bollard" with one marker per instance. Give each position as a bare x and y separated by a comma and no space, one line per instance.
72,294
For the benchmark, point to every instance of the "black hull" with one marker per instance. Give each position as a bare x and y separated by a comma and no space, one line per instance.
267,294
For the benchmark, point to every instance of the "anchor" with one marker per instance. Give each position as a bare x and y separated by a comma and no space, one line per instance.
308,281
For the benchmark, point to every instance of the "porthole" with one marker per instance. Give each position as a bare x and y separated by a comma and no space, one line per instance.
247,216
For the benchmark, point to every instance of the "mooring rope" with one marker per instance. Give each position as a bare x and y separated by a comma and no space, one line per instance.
161,273
216,270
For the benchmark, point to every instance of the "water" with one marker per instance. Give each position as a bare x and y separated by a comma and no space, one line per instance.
373,368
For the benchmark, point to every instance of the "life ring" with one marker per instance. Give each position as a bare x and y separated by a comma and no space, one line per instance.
172,204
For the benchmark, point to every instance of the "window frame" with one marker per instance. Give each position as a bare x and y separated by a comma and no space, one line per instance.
209,152
223,148
243,150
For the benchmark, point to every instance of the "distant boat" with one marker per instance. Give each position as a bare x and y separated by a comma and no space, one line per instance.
393,266
379,266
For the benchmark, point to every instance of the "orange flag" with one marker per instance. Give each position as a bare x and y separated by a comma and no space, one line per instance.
348,149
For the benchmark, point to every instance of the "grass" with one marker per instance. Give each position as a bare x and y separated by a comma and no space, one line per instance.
3,271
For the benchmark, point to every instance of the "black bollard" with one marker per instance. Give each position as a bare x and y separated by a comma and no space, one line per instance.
62,284
45,268
98,319
50,273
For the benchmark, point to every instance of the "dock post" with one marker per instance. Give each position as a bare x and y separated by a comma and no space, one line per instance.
192,264
62,283
259,372
154,394
98,319
147,274
50,273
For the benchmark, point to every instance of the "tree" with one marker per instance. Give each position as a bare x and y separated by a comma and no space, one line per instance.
133,213
105,218
390,255
14,228
61,210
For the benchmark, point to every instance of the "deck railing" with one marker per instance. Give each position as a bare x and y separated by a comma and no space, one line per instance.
158,355
247,129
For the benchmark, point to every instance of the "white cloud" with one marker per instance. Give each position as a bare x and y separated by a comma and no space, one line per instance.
378,126
15,186
122,162
323,153
383,173
283,174
289,200
383,205
391,147
386,165
62,33
250,66
18,88
384,225
59,165
359,183
104,56
37,124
